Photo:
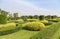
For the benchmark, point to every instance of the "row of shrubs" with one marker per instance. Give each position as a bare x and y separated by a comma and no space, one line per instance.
47,33
8,30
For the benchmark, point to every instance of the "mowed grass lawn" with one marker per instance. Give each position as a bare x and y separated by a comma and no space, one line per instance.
22,34
56,35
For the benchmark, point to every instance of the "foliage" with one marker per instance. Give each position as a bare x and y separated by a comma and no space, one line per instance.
47,33
3,19
53,17
24,18
44,21
15,16
7,25
53,20
36,17
33,20
41,17
48,17
9,28
34,26
48,23
19,21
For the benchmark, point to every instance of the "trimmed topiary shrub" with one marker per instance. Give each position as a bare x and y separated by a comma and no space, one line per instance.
34,26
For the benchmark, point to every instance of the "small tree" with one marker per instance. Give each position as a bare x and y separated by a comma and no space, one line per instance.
3,17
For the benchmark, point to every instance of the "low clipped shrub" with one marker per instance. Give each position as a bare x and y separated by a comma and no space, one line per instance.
34,26
47,33
10,28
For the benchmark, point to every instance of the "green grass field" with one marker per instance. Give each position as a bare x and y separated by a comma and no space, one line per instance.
56,35
22,34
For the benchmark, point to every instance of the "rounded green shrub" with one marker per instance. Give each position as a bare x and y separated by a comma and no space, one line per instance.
34,26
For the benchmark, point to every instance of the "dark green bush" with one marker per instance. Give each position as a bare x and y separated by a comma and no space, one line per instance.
47,33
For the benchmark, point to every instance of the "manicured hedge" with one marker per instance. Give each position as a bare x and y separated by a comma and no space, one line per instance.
47,33
8,30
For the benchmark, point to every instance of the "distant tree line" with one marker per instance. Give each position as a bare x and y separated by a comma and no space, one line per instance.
4,15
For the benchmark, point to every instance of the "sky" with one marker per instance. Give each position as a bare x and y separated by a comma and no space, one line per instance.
31,7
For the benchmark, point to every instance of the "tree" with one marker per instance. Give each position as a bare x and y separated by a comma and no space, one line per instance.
10,17
3,17
15,16
48,17
53,17
31,17
41,17
24,18
36,17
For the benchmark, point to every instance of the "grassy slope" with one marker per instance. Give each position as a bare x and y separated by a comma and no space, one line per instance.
56,35
23,34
